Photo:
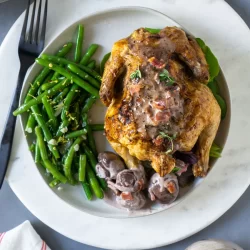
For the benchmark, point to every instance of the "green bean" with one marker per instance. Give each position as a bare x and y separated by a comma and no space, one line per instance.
65,49
65,111
91,72
44,73
31,123
83,84
51,168
37,100
82,167
63,128
75,165
87,190
57,75
92,180
91,64
59,60
41,144
49,84
88,104
47,79
44,113
47,134
83,75
54,161
34,87
90,52
54,183
69,159
103,62
50,112
97,127
91,139
40,91
83,98
76,134
37,154
60,96
32,147
93,163
77,95
79,42
76,115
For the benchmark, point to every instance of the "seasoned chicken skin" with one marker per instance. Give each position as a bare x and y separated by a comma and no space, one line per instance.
154,86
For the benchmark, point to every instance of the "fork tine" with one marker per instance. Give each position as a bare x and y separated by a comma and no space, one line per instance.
32,22
25,21
38,22
44,22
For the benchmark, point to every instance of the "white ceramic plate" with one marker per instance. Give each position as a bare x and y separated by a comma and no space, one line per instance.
225,183
96,27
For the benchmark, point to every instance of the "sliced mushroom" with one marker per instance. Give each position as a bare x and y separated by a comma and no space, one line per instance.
131,201
131,180
165,189
109,165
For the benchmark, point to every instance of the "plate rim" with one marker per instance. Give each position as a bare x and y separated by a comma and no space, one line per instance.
127,215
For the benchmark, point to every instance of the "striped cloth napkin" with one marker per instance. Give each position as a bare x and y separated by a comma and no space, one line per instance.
23,237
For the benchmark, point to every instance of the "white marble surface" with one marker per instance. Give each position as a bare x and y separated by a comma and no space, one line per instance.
222,187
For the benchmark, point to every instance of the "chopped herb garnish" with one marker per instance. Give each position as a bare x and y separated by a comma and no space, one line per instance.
152,31
175,170
170,138
165,77
136,75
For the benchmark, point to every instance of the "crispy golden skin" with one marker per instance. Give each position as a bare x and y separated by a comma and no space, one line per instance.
186,63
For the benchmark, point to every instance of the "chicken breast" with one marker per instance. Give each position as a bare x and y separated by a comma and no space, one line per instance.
154,86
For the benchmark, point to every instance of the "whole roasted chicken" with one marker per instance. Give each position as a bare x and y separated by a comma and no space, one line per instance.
154,86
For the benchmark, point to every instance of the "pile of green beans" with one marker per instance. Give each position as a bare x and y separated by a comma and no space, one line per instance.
57,104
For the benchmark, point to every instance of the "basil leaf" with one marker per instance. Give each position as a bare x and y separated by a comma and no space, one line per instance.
214,87
202,44
136,75
164,76
222,104
212,61
214,68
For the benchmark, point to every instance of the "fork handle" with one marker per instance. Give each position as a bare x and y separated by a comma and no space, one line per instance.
8,132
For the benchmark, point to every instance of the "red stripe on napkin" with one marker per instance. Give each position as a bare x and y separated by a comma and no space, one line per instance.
1,237
44,246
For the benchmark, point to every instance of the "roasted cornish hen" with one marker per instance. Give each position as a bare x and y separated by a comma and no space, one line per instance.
154,86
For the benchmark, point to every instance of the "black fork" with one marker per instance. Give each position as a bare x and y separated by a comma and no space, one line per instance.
30,46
